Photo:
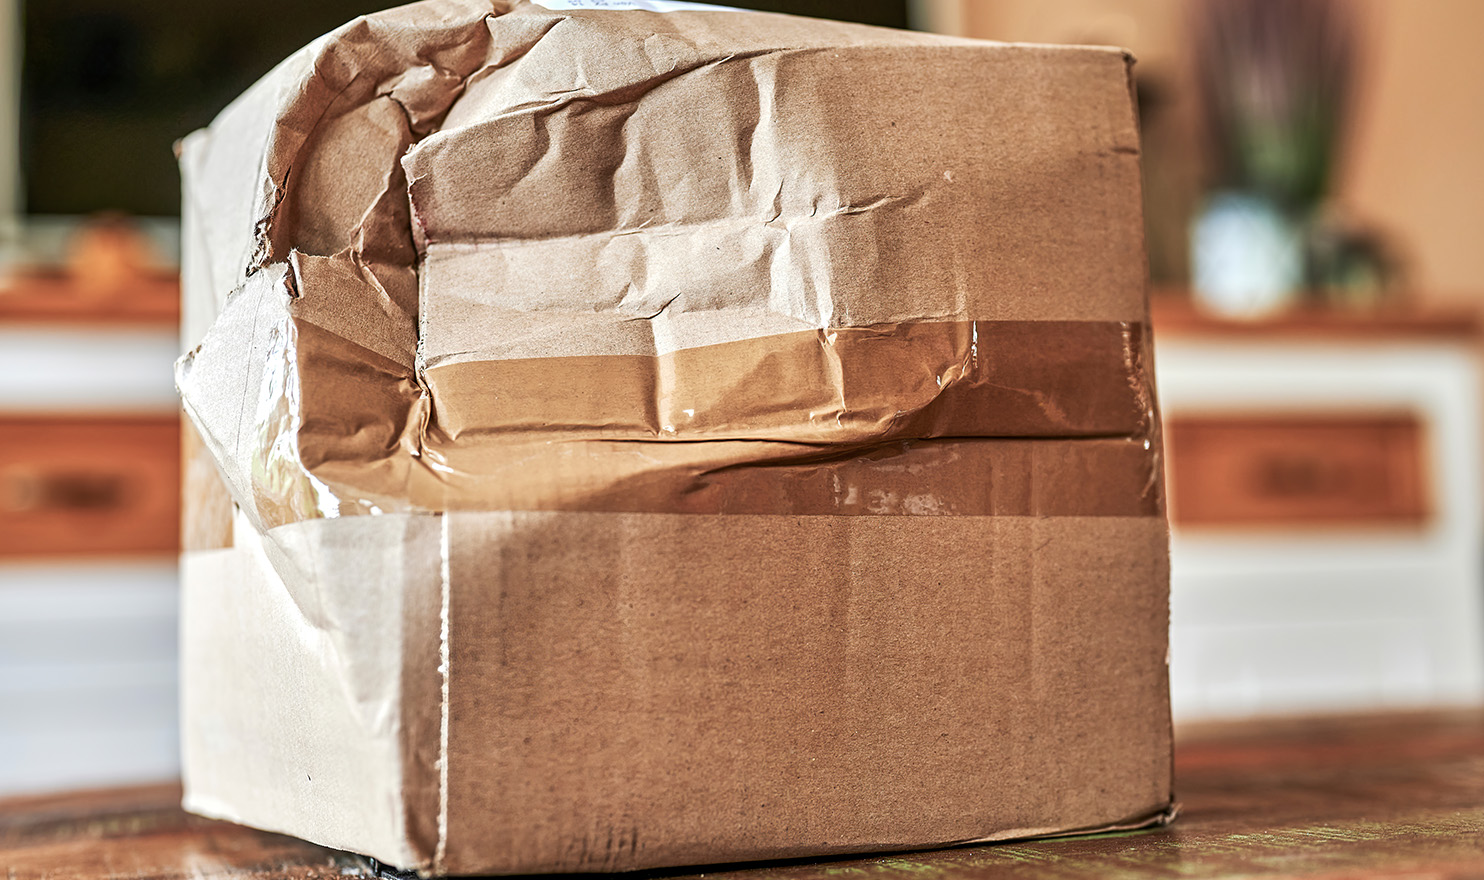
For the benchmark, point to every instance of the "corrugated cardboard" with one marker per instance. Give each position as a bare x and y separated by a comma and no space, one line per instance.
667,436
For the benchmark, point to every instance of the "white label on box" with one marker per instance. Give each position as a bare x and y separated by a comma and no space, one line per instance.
647,5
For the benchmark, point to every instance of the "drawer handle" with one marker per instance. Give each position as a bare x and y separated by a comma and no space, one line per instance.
31,490
1295,476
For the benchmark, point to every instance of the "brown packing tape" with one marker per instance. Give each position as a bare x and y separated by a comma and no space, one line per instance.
1086,477
848,385
1096,477
591,433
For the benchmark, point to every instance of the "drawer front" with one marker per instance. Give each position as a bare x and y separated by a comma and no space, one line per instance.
1339,469
89,485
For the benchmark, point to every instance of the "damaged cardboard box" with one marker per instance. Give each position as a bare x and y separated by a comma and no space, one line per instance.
650,435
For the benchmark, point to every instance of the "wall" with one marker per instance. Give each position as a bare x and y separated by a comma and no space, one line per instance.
1416,164
1414,167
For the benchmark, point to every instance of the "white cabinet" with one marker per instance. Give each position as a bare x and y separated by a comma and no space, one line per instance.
87,674
88,573
1368,596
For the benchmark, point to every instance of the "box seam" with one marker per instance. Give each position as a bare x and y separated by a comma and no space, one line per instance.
440,851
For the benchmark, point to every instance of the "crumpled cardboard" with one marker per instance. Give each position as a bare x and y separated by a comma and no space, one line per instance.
651,435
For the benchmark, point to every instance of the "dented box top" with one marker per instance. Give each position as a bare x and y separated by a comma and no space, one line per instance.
489,255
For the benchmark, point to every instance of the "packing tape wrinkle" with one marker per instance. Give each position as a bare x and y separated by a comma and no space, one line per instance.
994,431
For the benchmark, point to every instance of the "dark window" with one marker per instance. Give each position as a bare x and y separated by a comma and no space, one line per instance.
108,86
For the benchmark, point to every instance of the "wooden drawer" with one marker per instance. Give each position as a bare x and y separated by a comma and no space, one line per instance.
1338,469
89,485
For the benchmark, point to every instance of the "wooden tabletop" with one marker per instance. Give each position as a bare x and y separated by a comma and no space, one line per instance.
1175,315
1387,796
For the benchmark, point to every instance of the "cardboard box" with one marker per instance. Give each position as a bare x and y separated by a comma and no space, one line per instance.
671,436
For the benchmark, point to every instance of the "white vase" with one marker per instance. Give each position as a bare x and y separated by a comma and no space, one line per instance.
1247,257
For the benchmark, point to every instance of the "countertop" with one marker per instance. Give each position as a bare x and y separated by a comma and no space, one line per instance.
1398,795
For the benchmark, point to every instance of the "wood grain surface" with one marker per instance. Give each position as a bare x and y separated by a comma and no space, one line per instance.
79,485
1385,796
1175,315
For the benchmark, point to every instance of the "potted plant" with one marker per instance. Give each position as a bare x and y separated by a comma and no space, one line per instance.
1275,77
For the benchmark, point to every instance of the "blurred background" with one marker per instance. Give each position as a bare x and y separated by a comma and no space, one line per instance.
1314,197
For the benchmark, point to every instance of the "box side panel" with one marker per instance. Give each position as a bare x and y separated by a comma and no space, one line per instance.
638,690
291,699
